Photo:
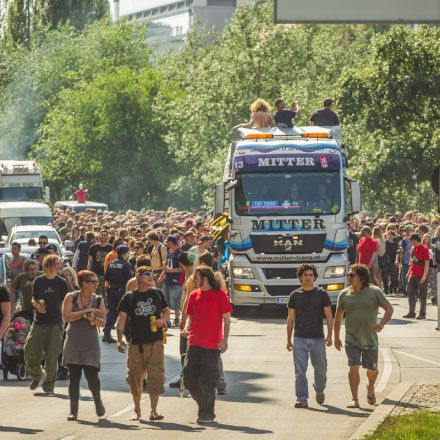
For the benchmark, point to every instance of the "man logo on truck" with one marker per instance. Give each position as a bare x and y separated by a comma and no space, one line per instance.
287,243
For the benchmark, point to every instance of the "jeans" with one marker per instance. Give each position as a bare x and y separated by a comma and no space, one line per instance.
201,375
416,289
114,296
47,339
405,269
302,348
172,295
91,373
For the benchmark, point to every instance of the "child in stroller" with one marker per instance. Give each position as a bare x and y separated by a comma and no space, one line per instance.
12,355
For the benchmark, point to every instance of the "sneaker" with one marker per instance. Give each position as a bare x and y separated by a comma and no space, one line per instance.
221,391
176,322
37,383
301,403
109,339
49,391
421,317
62,374
175,384
205,420
320,397
409,315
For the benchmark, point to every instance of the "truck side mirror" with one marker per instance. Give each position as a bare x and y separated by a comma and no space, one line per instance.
219,201
355,197
46,194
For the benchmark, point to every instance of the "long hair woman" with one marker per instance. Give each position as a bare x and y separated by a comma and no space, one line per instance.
85,312
260,115
377,273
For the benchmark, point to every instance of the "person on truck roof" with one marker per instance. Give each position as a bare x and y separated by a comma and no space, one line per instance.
325,116
260,116
284,118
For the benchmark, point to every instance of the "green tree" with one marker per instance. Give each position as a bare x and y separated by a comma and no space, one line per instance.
390,108
104,133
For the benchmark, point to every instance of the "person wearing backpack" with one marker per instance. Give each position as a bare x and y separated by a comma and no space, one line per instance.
142,315
85,312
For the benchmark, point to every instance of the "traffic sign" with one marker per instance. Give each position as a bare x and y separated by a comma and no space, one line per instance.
356,11
435,180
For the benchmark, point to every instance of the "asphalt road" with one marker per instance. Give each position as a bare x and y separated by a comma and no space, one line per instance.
260,394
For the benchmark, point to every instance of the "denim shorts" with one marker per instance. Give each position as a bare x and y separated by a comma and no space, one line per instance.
367,356
172,295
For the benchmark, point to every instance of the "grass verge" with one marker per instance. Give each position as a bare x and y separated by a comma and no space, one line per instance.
422,425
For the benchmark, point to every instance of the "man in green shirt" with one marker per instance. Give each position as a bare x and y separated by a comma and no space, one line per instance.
360,302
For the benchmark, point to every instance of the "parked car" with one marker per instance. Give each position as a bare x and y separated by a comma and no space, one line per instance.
22,234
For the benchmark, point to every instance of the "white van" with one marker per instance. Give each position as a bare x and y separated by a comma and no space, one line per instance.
23,213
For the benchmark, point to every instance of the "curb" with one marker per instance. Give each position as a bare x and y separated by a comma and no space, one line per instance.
382,411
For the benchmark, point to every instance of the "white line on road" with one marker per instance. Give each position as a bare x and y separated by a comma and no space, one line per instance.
131,407
418,358
68,437
387,370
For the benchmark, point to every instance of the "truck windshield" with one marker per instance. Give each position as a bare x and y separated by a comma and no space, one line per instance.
284,193
21,194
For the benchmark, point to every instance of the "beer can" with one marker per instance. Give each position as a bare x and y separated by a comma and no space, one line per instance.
153,325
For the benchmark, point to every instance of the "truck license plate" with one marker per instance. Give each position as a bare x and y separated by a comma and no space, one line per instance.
281,300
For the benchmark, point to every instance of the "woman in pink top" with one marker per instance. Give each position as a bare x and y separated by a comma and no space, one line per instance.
260,116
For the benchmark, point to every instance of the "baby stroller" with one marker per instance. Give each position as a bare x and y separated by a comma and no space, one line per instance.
12,356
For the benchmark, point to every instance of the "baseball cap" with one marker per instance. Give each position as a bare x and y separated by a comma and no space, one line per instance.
415,237
41,251
52,247
122,249
173,239
205,238
408,226
189,234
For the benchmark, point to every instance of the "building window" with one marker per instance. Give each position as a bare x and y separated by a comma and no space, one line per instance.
232,3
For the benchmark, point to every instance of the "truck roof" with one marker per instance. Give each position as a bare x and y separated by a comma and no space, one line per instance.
19,167
307,136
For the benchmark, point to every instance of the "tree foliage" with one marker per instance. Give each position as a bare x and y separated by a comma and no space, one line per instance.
88,102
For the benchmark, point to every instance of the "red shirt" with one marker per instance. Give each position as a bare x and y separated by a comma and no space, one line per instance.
81,195
421,252
206,310
366,248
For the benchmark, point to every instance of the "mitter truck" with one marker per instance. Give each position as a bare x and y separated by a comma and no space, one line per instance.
287,197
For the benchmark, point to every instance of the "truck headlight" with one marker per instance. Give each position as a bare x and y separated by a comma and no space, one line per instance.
242,272
334,272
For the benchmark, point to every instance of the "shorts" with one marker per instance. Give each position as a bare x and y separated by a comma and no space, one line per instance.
149,359
367,357
172,295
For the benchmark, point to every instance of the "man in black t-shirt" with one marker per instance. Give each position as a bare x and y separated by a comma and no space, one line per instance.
325,116
81,257
97,254
306,308
145,311
353,241
45,336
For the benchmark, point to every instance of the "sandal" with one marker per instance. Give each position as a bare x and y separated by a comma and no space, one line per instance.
156,417
353,404
371,398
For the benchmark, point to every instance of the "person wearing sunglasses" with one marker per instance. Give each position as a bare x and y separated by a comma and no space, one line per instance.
360,303
142,315
43,241
85,312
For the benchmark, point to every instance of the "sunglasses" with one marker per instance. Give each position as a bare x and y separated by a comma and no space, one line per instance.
42,242
137,247
147,274
352,275
92,281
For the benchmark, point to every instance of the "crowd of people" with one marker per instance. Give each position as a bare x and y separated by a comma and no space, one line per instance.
388,244
141,273
129,272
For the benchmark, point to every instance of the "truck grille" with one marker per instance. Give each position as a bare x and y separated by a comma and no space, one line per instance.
280,290
288,243
283,273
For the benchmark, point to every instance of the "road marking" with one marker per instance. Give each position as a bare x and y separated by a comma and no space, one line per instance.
418,358
68,437
131,407
387,370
